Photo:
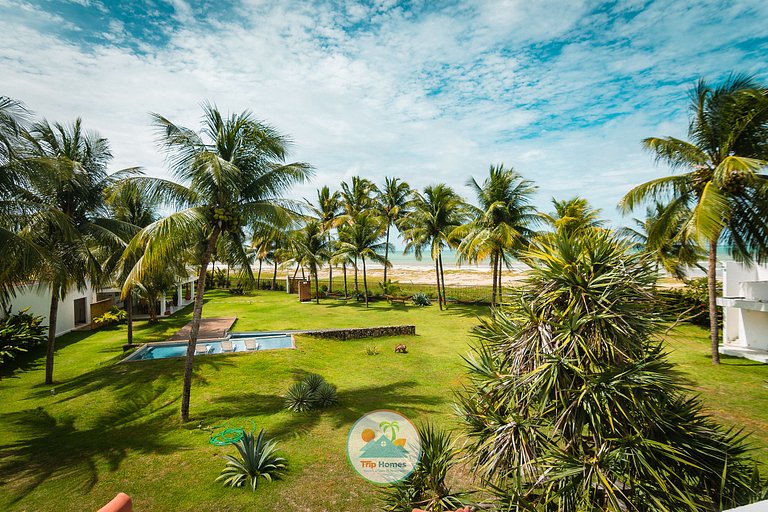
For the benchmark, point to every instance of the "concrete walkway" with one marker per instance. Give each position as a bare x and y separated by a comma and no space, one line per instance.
210,329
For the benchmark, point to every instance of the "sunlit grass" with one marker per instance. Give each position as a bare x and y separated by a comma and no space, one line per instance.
111,428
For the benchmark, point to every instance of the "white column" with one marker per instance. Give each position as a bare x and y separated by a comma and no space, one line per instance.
162,304
180,295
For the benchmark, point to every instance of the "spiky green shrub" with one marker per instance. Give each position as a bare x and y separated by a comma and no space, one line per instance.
326,395
300,398
311,392
372,350
255,459
421,299
572,404
426,488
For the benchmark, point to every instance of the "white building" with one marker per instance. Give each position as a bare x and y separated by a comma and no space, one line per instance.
74,309
77,308
745,311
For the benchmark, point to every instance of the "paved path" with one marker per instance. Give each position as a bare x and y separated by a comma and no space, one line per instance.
210,329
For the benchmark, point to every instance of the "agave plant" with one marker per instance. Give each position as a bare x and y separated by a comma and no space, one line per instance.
311,392
426,488
300,397
256,459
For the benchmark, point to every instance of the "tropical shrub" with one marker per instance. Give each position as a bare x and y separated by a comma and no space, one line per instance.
115,315
421,299
372,350
256,459
688,303
311,392
389,288
573,405
20,332
426,488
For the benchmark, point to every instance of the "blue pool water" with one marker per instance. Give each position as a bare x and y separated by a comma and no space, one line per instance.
241,342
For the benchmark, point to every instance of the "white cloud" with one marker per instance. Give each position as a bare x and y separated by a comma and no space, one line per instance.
563,94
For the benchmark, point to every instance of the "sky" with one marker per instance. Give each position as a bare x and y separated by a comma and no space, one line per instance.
429,91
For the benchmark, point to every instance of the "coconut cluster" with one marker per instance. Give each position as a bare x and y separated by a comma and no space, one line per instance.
226,217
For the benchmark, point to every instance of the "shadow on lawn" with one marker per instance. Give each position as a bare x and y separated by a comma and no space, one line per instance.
352,405
54,446
127,376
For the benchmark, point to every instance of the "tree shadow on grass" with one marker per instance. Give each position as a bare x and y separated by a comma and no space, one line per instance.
467,311
353,403
55,447
126,376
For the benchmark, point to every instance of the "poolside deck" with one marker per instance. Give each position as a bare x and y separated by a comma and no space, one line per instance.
210,329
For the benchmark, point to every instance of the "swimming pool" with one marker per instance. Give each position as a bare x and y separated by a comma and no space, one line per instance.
236,343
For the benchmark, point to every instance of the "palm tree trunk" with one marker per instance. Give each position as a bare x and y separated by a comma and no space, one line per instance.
317,289
365,282
386,255
442,278
52,315
437,276
714,336
330,277
494,259
344,269
195,328
499,289
129,315
274,277
152,301
357,289
258,279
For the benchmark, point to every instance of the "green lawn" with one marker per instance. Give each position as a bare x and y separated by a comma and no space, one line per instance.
111,428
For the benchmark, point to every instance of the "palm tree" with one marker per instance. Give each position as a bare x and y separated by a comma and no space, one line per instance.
571,403
436,213
725,194
672,249
328,213
502,226
361,240
129,204
357,197
231,175
313,250
67,174
17,254
394,199
573,215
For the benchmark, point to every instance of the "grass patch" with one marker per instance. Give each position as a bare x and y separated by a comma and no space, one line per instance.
111,428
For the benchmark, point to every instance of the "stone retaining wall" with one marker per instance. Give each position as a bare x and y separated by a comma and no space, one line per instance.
364,332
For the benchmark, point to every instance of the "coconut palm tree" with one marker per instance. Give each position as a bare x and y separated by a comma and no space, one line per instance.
725,192
313,247
361,239
67,174
436,213
230,175
328,212
357,197
573,215
394,198
129,204
502,224
672,250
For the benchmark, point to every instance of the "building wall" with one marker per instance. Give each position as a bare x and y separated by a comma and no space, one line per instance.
38,300
745,327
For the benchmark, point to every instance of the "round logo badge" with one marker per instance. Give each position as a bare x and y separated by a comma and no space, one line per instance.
383,446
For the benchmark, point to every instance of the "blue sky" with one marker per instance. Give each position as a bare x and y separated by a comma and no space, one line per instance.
429,91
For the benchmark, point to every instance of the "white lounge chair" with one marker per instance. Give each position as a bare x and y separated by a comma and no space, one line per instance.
201,349
251,345
226,346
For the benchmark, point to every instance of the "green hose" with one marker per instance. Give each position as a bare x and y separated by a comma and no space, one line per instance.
231,432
